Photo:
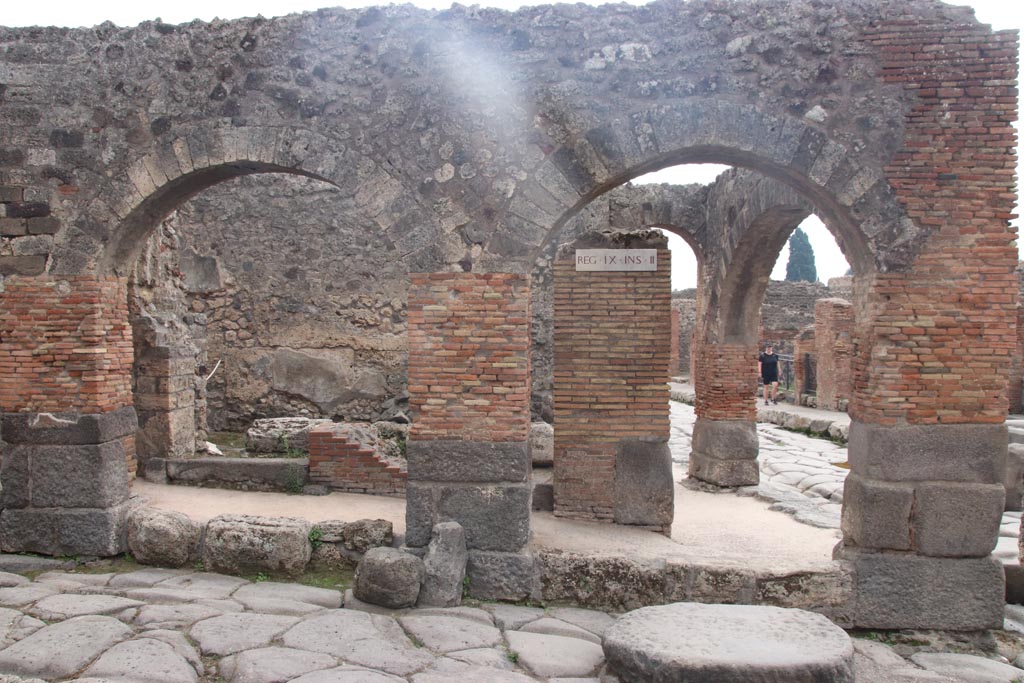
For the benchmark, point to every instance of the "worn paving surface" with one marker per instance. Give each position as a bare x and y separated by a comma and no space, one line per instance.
179,626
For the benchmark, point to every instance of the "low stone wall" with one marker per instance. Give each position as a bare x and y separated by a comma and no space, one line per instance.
286,475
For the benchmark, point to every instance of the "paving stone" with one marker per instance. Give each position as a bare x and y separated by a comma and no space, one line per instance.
546,655
145,578
178,641
145,660
877,663
272,665
230,633
477,674
283,607
348,674
72,577
20,564
496,658
512,616
65,606
592,620
323,597
173,616
162,595
204,584
358,638
968,668
447,634
557,627
15,626
62,649
7,580
462,612
712,643
18,596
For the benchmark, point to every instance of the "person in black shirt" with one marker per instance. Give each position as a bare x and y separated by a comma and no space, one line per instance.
768,365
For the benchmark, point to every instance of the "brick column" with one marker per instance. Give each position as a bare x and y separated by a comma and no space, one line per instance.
724,447
833,329
804,346
68,424
933,342
612,344
468,453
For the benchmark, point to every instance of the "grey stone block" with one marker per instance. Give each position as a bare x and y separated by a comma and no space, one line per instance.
962,452
64,531
609,583
155,470
1014,480
240,544
957,520
724,439
907,591
72,476
876,514
388,577
495,517
644,493
543,497
63,429
162,537
502,576
444,567
468,461
279,474
724,472
542,444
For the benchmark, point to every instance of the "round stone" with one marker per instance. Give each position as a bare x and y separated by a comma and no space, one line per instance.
728,644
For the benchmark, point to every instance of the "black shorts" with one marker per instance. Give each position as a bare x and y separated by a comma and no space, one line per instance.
769,376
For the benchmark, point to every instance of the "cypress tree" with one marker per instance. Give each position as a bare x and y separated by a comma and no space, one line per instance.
801,259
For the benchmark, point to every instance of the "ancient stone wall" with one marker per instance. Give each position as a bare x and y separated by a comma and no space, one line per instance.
833,343
303,302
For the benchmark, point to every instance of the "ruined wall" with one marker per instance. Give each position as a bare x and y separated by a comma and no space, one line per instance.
303,302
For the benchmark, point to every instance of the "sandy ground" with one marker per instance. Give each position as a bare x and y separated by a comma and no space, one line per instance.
708,527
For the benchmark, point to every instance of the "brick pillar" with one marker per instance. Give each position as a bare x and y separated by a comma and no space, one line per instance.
1015,398
612,342
803,347
833,329
724,447
68,424
468,453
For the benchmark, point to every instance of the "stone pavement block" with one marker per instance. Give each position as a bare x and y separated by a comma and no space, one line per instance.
144,659
592,620
230,633
876,514
199,585
272,665
173,616
472,674
968,668
348,674
547,655
8,580
512,617
15,626
957,520
68,605
323,597
448,634
18,596
60,650
557,627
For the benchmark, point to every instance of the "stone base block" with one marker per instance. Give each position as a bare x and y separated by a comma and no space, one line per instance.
71,475
1014,481
64,531
724,452
249,474
543,497
644,490
908,591
167,434
876,514
724,472
957,520
68,429
469,461
495,516
503,576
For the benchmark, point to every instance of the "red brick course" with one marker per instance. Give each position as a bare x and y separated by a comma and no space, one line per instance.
342,462
65,345
725,379
936,341
469,356
612,348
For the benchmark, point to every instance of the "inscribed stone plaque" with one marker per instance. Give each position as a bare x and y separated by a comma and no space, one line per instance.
616,259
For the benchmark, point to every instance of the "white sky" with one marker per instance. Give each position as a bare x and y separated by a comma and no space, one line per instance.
1001,14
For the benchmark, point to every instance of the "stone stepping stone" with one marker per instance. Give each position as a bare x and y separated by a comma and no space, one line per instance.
700,643
19,596
204,584
271,590
15,626
68,605
557,627
592,620
8,580
448,634
549,656
368,640
173,616
231,633
968,668
142,661
348,674
272,665
60,650
512,617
